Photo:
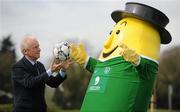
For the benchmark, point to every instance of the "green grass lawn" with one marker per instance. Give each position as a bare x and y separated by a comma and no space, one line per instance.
158,110
165,110
53,108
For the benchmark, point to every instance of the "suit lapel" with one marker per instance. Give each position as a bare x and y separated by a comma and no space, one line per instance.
29,66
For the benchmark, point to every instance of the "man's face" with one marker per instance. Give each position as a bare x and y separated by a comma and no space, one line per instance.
33,50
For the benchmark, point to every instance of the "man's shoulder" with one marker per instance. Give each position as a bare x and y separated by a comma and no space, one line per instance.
40,63
19,63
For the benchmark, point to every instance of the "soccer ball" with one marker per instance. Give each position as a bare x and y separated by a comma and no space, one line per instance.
61,51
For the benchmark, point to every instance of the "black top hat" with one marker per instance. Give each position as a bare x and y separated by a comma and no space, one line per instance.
146,13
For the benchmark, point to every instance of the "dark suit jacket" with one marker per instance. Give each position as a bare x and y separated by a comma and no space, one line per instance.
29,86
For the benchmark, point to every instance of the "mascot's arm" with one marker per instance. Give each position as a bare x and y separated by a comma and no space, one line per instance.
129,54
79,55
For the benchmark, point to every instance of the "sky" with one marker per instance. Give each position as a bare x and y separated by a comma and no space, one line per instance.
87,21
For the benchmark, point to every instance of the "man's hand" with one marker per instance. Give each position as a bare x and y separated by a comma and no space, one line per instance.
129,54
78,54
60,65
66,64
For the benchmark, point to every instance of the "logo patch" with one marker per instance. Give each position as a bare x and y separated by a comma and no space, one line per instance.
107,70
97,79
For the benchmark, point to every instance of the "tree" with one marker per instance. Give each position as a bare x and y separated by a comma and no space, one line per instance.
7,45
7,58
169,73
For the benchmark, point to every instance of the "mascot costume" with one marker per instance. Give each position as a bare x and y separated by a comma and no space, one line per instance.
123,76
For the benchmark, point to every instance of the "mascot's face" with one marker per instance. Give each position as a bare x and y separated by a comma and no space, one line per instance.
136,34
111,48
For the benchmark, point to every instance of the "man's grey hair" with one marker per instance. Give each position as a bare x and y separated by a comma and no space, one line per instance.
25,42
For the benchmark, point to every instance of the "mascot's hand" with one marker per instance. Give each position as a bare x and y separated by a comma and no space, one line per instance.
129,54
78,53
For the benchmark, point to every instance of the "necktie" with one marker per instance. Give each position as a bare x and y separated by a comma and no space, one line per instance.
36,66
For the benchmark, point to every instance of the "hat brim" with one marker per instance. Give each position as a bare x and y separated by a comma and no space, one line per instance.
164,34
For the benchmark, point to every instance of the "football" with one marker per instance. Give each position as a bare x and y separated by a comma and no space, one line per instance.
61,51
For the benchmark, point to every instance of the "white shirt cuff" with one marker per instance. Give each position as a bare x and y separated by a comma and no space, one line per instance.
49,72
63,74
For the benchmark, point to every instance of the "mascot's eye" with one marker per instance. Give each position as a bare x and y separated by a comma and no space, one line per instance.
124,23
117,32
110,32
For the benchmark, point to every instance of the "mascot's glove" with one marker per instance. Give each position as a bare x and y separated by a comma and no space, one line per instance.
78,54
129,54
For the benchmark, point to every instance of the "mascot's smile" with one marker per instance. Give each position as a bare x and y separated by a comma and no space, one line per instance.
110,49
107,54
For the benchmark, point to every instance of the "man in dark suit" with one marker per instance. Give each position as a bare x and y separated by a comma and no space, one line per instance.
29,78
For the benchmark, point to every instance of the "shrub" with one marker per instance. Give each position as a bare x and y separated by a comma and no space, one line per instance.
6,107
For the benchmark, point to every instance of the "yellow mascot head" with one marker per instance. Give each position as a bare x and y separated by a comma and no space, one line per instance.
141,28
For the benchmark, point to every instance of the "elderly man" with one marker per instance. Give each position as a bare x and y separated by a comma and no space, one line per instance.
29,77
